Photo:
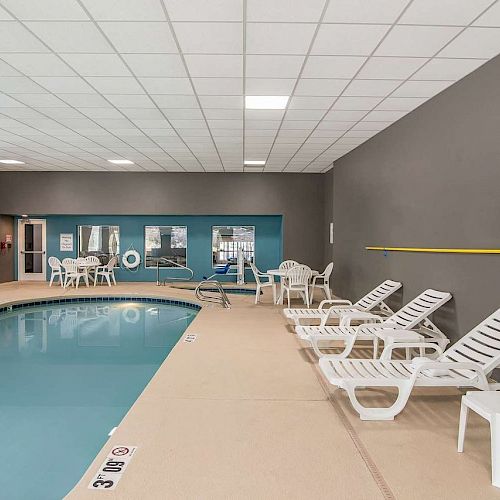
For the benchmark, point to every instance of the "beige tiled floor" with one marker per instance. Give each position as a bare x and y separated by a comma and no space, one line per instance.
242,413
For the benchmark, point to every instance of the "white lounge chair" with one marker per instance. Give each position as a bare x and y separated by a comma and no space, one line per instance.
412,315
330,309
465,364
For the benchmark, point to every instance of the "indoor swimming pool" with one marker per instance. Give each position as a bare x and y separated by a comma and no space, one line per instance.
69,371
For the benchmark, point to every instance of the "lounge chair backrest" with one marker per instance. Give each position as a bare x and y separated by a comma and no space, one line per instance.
481,345
378,295
298,275
419,308
288,264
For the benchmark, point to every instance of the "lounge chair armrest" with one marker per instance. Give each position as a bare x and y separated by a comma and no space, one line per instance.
335,302
455,365
370,319
387,352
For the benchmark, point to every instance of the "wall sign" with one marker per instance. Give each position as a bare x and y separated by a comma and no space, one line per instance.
331,233
111,471
66,242
8,239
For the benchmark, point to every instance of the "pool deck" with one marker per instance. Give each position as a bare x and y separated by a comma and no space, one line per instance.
242,413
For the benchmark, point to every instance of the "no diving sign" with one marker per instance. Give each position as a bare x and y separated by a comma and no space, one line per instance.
112,469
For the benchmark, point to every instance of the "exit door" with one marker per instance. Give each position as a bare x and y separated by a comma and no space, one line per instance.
32,249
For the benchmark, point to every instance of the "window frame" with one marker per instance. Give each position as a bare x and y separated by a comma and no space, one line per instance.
166,267
214,264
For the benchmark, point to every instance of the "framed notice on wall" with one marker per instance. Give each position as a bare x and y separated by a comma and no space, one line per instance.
66,242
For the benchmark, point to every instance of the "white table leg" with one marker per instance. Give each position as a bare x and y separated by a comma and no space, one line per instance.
495,451
464,413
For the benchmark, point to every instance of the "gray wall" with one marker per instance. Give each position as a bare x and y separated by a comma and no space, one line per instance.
299,198
6,255
430,180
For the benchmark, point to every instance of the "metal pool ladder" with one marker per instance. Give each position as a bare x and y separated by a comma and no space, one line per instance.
174,265
220,297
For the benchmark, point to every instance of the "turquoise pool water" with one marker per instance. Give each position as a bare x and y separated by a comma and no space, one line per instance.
68,374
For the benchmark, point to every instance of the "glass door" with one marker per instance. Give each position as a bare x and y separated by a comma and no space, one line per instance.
31,244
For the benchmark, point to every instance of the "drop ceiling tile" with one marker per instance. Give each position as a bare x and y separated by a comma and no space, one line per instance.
273,66
71,36
474,42
19,85
210,38
131,10
305,114
167,85
222,114
361,11
491,17
41,100
264,114
96,113
320,87
297,102
64,85
356,103
416,41
140,37
154,124
348,39
401,103
96,64
444,12
162,65
375,88
223,66
345,115
278,38
38,64
421,88
269,86
14,37
284,10
175,101
115,85
85,100
139,114
183,114
371,125
332,66
378,115
228,124
447,69
217,86
9,102
393,68
201,10
299,124
52,10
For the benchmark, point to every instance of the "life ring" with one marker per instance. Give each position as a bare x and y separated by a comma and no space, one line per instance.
136,259
131,315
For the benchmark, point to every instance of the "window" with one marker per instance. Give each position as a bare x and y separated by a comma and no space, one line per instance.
226,240
165,242
101,241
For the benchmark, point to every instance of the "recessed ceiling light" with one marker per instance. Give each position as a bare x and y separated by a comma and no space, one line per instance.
121,162
266,101
254,163
12,162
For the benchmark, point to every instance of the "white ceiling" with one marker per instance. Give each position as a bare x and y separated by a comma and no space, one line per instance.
161,83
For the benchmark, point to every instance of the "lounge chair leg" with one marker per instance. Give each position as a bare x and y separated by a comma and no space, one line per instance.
349,344
464,414
404,391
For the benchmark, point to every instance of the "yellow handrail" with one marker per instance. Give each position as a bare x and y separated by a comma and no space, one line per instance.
437,250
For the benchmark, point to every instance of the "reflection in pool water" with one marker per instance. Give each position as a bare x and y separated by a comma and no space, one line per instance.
68,375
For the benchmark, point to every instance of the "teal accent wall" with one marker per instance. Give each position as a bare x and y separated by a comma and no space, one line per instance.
268,240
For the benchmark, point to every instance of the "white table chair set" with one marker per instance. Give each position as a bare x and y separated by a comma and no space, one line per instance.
70,271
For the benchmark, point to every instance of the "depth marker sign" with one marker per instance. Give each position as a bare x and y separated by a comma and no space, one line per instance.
112,469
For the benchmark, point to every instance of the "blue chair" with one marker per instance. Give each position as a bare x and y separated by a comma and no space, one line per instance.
219,270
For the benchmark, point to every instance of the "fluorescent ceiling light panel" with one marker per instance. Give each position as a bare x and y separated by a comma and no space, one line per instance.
266,101
254,163
121,162
12,162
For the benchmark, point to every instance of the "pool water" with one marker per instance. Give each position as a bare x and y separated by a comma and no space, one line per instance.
68,375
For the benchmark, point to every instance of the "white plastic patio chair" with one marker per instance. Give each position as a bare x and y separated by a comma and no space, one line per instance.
73,274
94,261
297,280
324,284
331,309
412,315
107,271
288,264
56,270
259,277
465,364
